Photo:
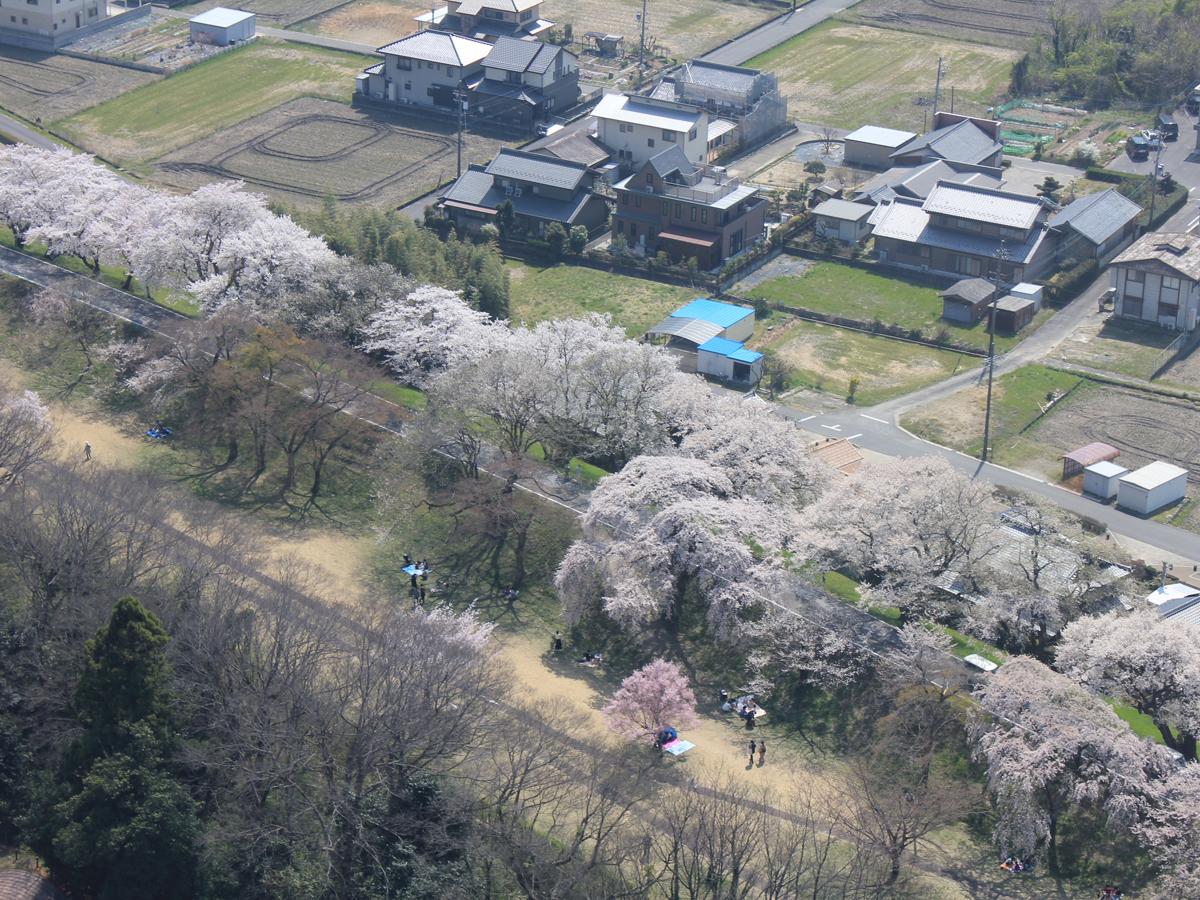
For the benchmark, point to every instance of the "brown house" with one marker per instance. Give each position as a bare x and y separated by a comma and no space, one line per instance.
686,210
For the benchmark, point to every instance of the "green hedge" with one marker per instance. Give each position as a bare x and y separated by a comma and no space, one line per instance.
1099,173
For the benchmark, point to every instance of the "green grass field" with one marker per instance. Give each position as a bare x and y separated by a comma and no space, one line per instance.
152,120
833,288
1119,346
562,291
827,358
850,75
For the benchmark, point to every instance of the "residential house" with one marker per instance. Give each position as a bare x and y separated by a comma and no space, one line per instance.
915,182
1095,226
487,20
687,210
48,25
424,69
966,301
577,146
965,230
542,190
638,128
1157,279
744,105
525,82
956,138
871,147
841,220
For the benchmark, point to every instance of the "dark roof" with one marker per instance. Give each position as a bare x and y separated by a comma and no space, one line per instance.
726,78
973,290
494,88
537,169
919,180
963,142
477,188
510,54
673,159
17,884
1097,216
577,146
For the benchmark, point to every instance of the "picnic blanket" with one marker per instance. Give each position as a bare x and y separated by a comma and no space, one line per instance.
414,569
678,747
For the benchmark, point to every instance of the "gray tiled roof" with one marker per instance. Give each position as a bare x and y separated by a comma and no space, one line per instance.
726,78
904,220
577,146
476,187
537,169
670,160
438,47
1097,216
843,209
917,181
980,204
1161,246
963,141
973,290
510,54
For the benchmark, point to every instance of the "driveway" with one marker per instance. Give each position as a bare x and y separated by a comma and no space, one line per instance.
1024,176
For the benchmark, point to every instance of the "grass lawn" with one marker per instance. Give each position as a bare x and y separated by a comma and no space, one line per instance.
965,645
1017,397
562,291
829,287
827,358
147,122
1139,723
1118,346
850,75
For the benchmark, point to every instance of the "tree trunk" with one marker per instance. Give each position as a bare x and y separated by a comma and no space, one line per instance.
128,282
1052,848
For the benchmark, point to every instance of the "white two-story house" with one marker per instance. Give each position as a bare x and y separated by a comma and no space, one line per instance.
1158,280
424,69
636,129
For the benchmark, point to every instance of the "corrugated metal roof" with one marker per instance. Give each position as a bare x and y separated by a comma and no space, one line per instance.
221,17
439,47
1097,216
537,169
1105,469
844,209
1090,454
723,314
1153,475
695,330
983,205
882,137
734,350
620,108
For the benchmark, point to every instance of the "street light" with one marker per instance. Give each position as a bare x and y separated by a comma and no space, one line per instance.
997,279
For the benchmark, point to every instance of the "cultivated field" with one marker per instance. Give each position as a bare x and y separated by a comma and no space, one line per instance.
1118,346
826,358
47,86
1004,23
276,13
849,75
207,98
307,149
375,22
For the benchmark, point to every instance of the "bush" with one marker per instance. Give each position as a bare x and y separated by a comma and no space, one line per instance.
1067,285
1098,173
489,233
815,167
579,239
556,240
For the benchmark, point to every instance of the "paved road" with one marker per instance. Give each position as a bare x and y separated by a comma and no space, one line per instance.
317,40
776,32
24,134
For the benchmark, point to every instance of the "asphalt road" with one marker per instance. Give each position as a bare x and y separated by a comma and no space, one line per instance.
24,134
776,31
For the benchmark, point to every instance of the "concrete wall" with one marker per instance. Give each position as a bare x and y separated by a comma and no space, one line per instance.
638,143
873,156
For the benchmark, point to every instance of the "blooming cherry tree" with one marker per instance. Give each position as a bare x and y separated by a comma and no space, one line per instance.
26,433
653,697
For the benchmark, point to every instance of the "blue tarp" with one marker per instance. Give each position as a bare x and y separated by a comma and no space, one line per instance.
723,314
734,350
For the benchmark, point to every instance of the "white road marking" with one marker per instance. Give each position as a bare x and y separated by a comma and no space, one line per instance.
832,427
874,419
853,436
1192,224
806,418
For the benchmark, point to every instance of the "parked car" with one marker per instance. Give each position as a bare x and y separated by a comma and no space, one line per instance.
1138,147
1193,101
1153,138
1167,127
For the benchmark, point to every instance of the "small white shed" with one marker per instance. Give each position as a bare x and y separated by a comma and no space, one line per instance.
1101,480
872,146
1027,291
1150,488
729,360
221,26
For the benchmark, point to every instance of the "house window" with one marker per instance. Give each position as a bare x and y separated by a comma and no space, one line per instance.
1170,283
678,211
704,217
1136,276
692,135
668,135
1132,306
626,128
1168,310
649,142
664,208
693,214
408,85
404,65
527,15
32,2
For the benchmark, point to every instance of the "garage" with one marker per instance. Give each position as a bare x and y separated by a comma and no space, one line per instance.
222,26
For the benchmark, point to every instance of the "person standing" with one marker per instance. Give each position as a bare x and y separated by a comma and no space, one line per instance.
87,451
753,747
762,753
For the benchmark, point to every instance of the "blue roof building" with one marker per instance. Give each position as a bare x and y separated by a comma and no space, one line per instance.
723,314
703,319
734,350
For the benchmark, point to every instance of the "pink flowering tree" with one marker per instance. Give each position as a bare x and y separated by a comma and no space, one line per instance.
654,696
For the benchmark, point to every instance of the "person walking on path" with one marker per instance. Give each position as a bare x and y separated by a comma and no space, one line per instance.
87,451
762,753
753,746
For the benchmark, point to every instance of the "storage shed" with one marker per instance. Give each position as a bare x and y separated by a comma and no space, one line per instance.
966,301
1027,291
1087,455
221,26
702,319
872,146
843,221
1100,481
729,361
1013,314
1150,488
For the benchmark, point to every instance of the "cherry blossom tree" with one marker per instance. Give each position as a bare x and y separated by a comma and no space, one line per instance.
1170,831
905,523
1050,745
26,433
428,331
653,697
36,184
1145,660
92,215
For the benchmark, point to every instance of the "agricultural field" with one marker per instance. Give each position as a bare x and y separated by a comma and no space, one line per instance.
827,358
375,22
275,13
1118,346
207,98
42,87
1003,23
307,149
162,40
636,304
891,298
847,75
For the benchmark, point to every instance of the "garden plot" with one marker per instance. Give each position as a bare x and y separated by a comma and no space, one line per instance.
1003,23
42,86
848,75
307,149
276,13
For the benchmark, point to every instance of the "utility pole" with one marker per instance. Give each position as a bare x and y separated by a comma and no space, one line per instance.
460,100
937,86
642,46
997,284
1154,183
